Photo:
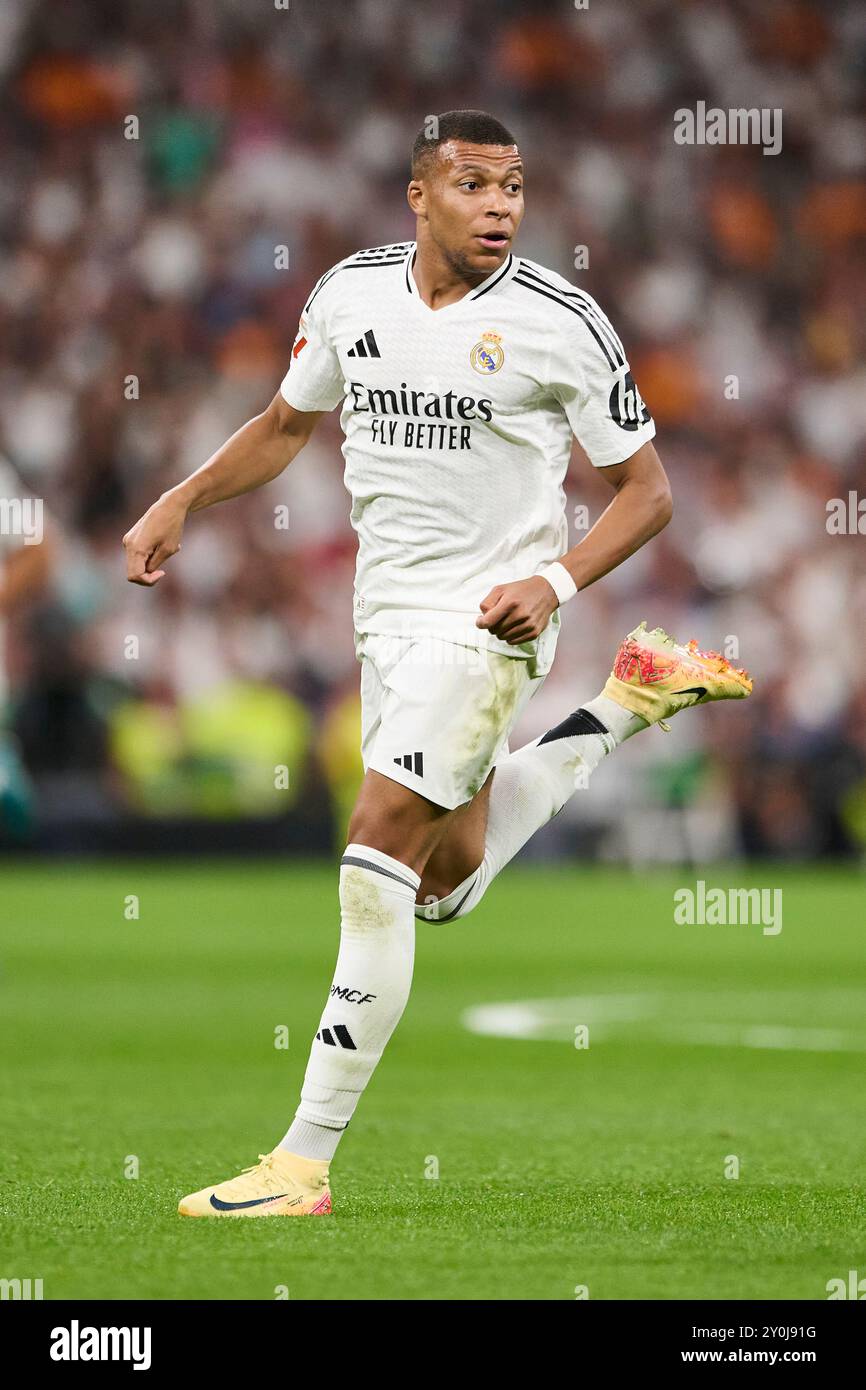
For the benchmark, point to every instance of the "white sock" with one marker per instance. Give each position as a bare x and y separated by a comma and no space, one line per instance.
368,995
531,786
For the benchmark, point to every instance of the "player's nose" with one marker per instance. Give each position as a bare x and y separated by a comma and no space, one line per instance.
498,209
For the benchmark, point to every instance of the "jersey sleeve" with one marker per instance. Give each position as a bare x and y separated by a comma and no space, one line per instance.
314,380
589,375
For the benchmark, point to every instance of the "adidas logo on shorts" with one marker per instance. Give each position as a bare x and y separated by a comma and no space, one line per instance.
413,762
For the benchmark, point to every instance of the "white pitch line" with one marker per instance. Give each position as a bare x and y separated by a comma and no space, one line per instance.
769,1037
610,1015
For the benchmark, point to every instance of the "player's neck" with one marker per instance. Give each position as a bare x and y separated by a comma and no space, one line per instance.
439,283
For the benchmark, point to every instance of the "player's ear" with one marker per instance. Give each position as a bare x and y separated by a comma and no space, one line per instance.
416,198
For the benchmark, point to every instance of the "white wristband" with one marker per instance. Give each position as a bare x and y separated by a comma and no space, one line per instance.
560,581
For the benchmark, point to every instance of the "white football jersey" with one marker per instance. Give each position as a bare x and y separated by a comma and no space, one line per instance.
458,424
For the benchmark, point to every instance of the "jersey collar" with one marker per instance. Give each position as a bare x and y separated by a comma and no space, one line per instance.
490,283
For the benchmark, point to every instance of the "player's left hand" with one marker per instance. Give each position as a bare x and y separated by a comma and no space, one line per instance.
518,612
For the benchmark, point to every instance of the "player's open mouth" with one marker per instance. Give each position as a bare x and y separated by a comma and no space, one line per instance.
495,240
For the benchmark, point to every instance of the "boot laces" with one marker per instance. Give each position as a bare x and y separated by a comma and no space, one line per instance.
263,1170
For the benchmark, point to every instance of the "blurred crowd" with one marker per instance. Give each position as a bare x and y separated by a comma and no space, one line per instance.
175,178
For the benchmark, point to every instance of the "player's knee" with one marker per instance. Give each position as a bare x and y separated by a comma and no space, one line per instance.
388,832
379,832
401,826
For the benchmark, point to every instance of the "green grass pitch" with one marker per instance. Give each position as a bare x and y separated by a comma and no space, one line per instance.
558,1166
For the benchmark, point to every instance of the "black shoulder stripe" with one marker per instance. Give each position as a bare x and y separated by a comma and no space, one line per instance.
364,265
324,280
604,324
581,314
383,250
379,254
349,265
602,319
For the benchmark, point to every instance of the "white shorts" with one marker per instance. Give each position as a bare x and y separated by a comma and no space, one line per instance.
436,715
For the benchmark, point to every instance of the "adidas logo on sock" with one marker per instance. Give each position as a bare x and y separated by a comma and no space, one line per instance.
337,1036
414,762
365,347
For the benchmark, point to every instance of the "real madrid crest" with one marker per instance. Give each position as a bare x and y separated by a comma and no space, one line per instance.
487,355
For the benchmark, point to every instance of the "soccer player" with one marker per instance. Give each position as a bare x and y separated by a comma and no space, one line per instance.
463,371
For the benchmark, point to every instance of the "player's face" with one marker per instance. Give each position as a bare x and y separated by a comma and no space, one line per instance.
472,201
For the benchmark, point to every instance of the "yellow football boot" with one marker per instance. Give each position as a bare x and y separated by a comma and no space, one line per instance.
280,1184
654,677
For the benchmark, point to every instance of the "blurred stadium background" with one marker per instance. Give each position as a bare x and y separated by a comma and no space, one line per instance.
155,258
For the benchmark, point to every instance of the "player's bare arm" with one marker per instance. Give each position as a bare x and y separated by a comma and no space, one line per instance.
254,455
519,612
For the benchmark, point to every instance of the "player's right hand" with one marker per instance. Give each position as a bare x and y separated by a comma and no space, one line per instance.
153,540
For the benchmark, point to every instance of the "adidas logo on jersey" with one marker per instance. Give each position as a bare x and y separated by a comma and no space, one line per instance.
365,347
337,1036
413,762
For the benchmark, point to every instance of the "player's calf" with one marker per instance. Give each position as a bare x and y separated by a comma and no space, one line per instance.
366,1000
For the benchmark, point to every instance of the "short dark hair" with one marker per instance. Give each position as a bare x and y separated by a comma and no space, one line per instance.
477,127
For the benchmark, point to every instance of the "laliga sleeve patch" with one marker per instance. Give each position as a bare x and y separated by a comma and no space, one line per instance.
301,339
